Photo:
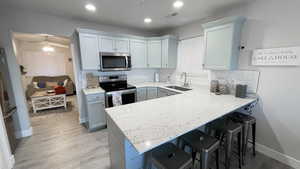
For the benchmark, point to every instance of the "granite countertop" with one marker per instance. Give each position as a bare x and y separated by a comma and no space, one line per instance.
93,91
150,123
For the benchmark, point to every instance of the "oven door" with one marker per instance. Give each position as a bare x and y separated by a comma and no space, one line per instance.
115,62
128,96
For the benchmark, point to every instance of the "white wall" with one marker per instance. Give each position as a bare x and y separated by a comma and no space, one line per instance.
271,23
6,159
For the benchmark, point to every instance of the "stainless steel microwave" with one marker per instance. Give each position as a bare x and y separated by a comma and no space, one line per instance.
115,61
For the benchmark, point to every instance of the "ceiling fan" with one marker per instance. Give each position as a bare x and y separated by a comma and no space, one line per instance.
48,46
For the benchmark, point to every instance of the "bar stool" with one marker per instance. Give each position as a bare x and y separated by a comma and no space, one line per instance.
247,121
203,144
168,156
227,129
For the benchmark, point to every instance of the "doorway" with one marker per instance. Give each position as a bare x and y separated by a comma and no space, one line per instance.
46,66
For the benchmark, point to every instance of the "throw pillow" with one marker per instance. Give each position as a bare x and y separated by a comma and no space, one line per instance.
61,83
51,84
41,84
65,82
35,85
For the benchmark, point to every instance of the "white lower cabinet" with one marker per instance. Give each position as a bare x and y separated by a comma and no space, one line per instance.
151,93
95,111
164,92
141,94
147,93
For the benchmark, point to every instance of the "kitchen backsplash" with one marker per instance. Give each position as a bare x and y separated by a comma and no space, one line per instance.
249,78
231,78
193,78
135,75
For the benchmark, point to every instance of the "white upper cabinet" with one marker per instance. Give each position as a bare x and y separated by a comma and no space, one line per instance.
154,53
107,44
169,52
112,44
138,51
222,43
122,45
89,51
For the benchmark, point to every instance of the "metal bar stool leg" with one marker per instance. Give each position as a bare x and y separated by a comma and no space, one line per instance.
239,149
254,138
217,158
228,150
246,127
194,155
204,160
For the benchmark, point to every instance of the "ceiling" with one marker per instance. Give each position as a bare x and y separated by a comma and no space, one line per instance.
42,38
128,13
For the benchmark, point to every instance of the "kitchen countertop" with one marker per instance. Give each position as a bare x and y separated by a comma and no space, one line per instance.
150,123
93,91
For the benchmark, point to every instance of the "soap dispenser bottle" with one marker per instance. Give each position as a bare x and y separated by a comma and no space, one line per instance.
156,77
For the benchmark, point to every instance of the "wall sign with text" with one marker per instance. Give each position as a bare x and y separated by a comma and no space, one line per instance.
276,57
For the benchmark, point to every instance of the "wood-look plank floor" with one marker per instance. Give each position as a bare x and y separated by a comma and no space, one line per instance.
59,142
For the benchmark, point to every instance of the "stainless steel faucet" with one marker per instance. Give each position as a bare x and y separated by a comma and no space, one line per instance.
185,83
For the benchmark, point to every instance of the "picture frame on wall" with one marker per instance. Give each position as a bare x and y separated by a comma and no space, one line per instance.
289,56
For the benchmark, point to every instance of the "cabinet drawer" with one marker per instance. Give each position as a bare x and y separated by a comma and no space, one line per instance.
95,97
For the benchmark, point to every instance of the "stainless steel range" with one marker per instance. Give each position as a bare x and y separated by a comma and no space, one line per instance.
117,85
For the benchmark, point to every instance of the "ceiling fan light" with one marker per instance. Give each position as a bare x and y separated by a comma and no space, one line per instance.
48,49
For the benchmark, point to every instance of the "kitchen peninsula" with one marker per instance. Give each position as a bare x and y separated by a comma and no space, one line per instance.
137,128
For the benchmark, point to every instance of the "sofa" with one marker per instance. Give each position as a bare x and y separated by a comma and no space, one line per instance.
53,80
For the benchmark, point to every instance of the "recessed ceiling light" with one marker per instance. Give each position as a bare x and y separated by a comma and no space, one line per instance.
147,20
178,4
90,7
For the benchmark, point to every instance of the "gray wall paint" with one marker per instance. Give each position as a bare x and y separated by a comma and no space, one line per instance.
270,24
31,22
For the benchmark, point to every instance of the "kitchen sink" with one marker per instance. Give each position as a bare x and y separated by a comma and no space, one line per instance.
178,88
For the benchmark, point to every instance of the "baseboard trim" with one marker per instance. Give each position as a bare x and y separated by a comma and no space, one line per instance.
11,162
288,160
24,133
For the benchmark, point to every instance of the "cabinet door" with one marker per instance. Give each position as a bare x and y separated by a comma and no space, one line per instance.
218,47
107,44
122,45
154,54
96,111
165,53
162,93
89,51
138,50
141,94
151,93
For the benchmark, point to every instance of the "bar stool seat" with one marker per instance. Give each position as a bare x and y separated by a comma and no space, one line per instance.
168,156
203,144
247,121
226,128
